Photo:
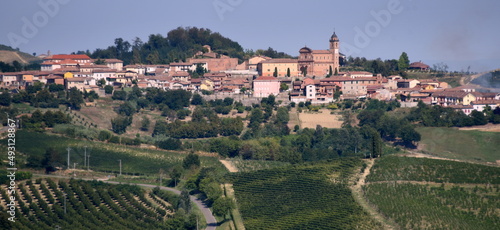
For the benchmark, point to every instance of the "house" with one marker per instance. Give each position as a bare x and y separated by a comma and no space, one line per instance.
179,76
114,64
282,65
91,68
216,64
357,87
107,74
254,61
79,58
407,83
264,86
78,82
446,98
466,109
419,66
481,105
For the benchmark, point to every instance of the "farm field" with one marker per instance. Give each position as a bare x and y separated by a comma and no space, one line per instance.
470,145
323,118
104,157
394,168
308,196
75,204
254,165
420,193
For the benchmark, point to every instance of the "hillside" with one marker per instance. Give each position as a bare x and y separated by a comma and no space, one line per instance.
9,55
46,204
471,145
419,193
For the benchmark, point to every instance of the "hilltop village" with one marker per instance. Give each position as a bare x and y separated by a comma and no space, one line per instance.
313,77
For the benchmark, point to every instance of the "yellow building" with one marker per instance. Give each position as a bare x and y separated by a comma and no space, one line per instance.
68,75
282,65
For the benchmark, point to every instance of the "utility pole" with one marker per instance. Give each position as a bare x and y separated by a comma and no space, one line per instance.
88,162
74,165
85,157
120,166
68,155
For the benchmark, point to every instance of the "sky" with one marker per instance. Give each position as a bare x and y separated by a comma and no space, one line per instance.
459,33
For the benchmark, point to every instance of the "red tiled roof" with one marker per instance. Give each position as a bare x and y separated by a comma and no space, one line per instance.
266,78
68,56
281,60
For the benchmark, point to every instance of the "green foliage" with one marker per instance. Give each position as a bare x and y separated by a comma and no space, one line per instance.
223,206
119,95
75,98
403,62
301,195
104,135
108,89
391,168
119,124
169,144
178,45
145,123
414,206
89,205
191,160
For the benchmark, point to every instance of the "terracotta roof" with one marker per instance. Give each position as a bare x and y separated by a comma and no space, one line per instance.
461,106
418,65
179,74
104,71
486,102
67,56
266,78
453,94
281,60
321,52
76,79
305,50
113,60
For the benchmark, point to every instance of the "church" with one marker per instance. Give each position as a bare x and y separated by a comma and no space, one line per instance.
319,62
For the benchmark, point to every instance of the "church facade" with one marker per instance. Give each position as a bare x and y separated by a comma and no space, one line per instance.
319,62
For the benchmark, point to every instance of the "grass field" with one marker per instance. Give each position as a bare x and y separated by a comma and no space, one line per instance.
323,118
46,204
104,157
309,196
421,193
253,165
452,143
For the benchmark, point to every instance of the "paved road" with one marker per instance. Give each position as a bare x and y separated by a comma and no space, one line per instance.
209,217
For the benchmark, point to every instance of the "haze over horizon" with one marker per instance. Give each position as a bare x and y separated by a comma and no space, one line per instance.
460,35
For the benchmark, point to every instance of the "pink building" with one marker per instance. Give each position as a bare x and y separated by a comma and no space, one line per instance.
264,86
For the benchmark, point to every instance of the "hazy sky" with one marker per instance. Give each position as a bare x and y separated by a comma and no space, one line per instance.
459,33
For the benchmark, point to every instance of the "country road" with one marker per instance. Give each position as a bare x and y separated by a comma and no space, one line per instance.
207,213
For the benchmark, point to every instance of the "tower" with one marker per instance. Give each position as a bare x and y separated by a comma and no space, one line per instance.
334,49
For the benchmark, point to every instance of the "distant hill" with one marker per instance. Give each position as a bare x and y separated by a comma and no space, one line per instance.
9,55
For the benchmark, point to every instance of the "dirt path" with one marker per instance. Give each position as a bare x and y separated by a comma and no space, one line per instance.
359,197
229,165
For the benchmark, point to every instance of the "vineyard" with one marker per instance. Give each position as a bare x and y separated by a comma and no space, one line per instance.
393,168
308,196
103,157
75,204
253,165
414,206
421,193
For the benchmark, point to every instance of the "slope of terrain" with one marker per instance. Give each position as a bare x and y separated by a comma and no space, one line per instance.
421,193
8,55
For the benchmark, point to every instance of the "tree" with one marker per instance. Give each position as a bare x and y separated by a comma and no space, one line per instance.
478,118
256,118
409,135
288,72
191,160
275,73
223,206
145,123
169,144
108,89
75,98
175,174
120,123
403,62
5,99
51,160
283,86
197,99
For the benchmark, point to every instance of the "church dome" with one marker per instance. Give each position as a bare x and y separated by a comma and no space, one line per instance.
305,49
334,37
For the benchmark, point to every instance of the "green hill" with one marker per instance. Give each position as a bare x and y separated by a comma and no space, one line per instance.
76,204
9,55
460,144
